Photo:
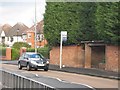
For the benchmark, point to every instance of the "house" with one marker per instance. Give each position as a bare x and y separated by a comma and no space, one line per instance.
4,34
29,35
15,33
21,33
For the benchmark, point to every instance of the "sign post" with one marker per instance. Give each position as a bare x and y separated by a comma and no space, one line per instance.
63,38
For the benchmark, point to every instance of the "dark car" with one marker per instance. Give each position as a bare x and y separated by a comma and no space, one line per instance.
33,60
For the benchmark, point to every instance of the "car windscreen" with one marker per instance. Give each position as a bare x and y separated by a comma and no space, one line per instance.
36,56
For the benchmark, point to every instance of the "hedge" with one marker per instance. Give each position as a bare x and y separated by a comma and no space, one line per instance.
18,45
15,54
44,51
2,51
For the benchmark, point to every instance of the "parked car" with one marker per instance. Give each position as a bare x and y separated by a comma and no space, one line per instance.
33,60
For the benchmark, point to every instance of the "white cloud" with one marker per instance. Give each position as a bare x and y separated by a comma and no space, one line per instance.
12,11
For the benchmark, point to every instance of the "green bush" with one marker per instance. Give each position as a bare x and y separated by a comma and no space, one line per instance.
30,50
18,45
44,51
15,54
2,51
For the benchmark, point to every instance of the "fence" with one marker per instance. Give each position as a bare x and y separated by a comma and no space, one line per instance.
10,80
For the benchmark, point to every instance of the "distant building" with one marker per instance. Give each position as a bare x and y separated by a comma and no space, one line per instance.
21,33
15,33
4,34
29,36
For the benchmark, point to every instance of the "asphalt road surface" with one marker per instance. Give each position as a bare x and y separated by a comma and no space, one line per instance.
66,78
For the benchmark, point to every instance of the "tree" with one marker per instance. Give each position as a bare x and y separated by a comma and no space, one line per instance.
83,21
87,22
107,23
69,17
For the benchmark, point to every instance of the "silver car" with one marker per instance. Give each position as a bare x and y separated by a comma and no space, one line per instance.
33,60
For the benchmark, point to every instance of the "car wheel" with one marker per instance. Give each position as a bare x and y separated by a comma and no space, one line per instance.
36,69
46,69
28,67
19,66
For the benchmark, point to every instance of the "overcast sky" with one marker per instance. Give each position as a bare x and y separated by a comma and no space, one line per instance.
13,11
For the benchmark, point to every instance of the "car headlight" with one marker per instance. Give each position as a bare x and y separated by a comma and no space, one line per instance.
47,62
33,62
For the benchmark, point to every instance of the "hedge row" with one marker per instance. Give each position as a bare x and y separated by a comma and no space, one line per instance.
18,45
16,49
2,51
15,54
44,51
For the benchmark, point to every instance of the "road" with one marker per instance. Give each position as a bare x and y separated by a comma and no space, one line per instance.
96,82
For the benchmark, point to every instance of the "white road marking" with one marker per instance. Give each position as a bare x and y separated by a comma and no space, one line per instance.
68,82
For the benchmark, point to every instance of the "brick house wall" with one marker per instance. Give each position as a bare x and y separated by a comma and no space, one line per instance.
30,38
112,56
72,56
42,43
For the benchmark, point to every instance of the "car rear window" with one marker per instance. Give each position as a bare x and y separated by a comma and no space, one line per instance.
36,56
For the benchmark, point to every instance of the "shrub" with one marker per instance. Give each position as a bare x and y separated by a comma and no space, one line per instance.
2,51
18,45
15,54
30,50
3,45
44,51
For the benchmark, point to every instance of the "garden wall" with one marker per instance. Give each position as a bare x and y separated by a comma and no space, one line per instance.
112,58
72,56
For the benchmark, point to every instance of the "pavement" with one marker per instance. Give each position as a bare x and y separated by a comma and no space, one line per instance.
84,71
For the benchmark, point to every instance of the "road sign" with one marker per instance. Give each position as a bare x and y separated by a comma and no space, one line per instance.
64,35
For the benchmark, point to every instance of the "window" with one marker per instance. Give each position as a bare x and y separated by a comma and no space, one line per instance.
7,38
3,39
24,37
29,35
22,57
41,37
11,40
38,37
26,56
36,56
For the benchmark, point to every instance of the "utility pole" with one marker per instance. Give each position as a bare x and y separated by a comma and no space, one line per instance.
35,29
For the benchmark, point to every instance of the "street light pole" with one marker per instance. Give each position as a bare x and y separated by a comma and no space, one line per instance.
35,28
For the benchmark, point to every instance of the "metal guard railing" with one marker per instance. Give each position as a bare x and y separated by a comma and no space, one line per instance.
12,80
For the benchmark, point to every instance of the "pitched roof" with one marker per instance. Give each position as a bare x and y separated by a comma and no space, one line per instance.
14,30
39,28
6,28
